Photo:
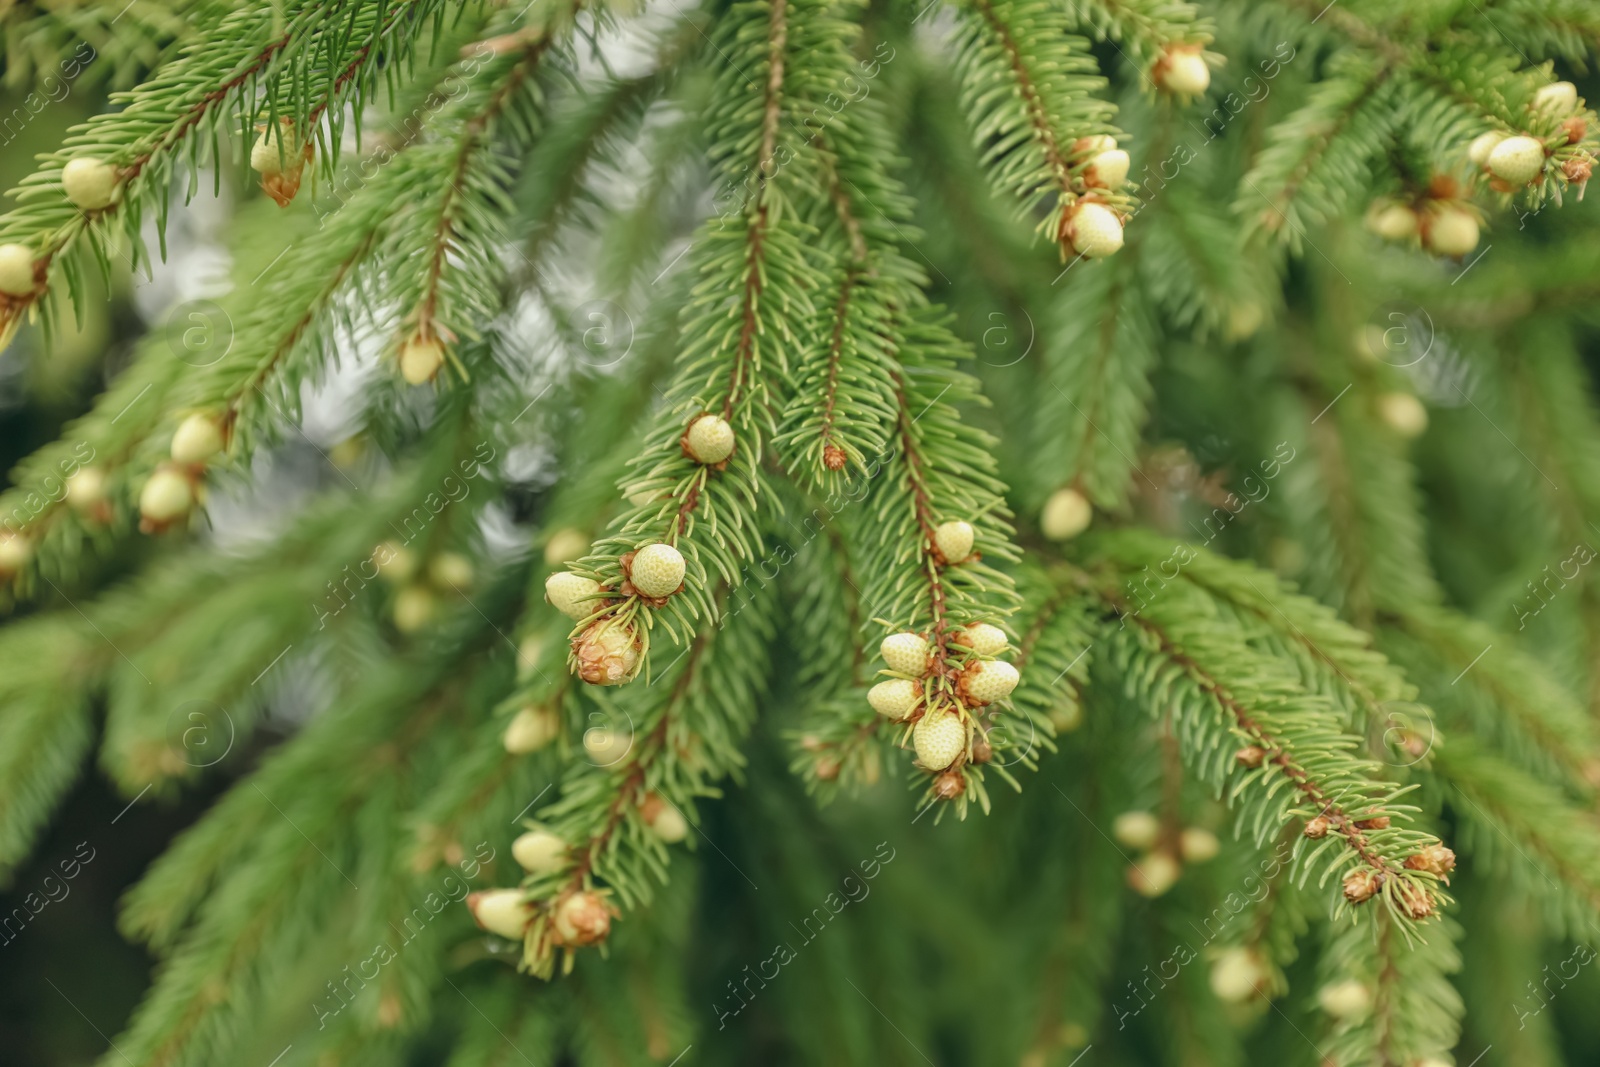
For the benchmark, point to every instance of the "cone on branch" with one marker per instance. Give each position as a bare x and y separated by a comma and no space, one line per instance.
607,653
17,276
91,184
580,918
506,912
1361,884
280,158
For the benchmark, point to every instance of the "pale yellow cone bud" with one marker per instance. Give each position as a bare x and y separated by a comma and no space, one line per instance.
420,359
89,183
954,541
1517,160
657,570
16,270
710,439
196,440
531,729
1066,515
506,912
166,496
1136,829
906,653
539,852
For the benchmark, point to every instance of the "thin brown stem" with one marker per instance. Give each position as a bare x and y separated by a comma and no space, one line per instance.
742,376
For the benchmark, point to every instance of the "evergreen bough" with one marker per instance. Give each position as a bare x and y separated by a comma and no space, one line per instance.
704,288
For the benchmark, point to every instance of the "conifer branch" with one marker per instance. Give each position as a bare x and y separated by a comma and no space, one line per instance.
1162,646
702,505
189,97
1413,1011
1029,89
1317,161
1098,358
616,816
1147,27
1508,698
1516,824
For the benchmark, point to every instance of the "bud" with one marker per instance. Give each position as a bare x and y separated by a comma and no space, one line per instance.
1182,70
1238,975
420,359
564,546
1136,829
1361,884
450,570
581,918
1244,319
89,183
657,570
1434,859
1066,515
165,498
1414,900
906,653
16,270
86,490
834,458
1392,221
826,768
982,750
1403,413
940,739
539,852
949,785
665,819
280,158
1450,230
1092,230
572,594
1154,874
1558,98
986,681
1478,151
531,729
982,638
1251,756
607,653
1107,170
952,542
1377,822
1348,999
395,562
1318,827
1517,160
1066,716
708,440
501,911
15,552
276,151
196,440
895,698
414,607
1198,845
606,746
